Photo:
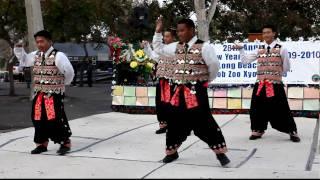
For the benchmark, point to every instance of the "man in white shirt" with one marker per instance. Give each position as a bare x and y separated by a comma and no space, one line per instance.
269,101
21,56
52,70
194,65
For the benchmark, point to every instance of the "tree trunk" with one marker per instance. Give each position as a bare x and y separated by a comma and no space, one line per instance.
11,80
203,30
204,17
35,24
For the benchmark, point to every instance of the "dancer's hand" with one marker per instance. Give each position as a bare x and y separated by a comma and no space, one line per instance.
237,46
144,44
159,24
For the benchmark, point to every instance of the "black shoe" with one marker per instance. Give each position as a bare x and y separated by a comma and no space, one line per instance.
294,138
63,150
224,160
253,137
170,158
161,131
39,149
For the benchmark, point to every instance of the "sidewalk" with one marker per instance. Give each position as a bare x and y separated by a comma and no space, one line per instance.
116,145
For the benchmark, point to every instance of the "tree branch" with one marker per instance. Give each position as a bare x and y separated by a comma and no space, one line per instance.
212,10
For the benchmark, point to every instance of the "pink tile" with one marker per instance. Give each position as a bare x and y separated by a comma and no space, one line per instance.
220,93
220,103
295,104
142,91
311,93
142,101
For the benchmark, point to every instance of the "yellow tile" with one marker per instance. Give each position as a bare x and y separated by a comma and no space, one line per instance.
118,91
247,92
234,103
295,92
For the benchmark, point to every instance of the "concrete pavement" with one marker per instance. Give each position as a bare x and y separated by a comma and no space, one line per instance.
117,145
80,102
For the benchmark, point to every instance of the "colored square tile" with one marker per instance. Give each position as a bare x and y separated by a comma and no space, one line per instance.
295,92
246,103
141,91
117,100
295,104
286,89
152,91
311,93
152,101
234,92
311,104
210,92
130,101
234,103
142,101
129,91
118,91
220,103
211,102
220,93
247,92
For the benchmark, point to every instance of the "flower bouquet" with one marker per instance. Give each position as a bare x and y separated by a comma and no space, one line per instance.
142,64
116,46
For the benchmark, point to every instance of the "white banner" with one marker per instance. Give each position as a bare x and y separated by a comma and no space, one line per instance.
304,59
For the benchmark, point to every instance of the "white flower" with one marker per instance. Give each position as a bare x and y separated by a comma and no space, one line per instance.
177,71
